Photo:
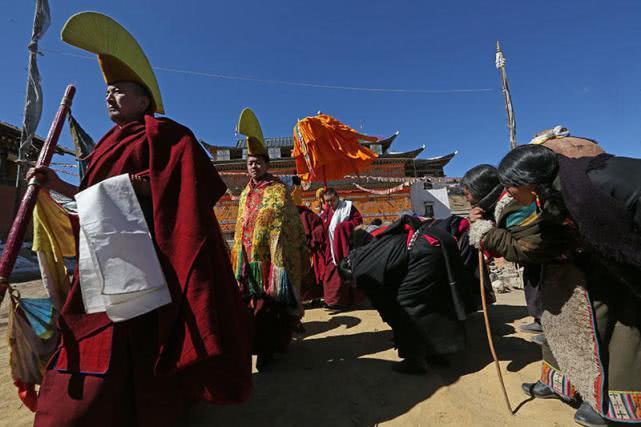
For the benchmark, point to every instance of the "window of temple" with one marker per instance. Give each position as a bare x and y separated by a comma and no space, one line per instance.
429,210
222,155
274,153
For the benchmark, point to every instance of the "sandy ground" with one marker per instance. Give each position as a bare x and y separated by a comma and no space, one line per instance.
339,374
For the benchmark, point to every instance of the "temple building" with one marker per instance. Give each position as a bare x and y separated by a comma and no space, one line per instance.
395,181
9,143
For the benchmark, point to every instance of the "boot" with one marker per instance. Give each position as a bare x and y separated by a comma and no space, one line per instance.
588,417
531,328
539,339
539,390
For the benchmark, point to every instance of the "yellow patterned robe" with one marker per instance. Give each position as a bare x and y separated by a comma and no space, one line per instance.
269,255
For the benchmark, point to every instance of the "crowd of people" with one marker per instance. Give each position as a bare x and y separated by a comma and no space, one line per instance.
561,207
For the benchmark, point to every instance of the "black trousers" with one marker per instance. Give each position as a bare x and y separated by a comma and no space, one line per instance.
532,287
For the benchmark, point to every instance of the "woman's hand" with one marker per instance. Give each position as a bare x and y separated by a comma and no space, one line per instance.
476,214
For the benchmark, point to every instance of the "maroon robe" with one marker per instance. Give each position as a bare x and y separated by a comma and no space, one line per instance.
315,238
336,292
147,370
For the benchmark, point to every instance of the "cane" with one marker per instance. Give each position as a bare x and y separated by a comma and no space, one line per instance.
25,211
489,333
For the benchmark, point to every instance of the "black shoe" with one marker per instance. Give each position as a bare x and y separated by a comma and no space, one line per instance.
263,361
334,308
315,303
410,367
539,339
539,390
531,328
588,417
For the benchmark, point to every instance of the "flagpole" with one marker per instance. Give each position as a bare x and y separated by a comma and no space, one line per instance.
33,93
511,121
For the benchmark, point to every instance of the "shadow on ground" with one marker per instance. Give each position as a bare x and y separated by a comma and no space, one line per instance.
325,381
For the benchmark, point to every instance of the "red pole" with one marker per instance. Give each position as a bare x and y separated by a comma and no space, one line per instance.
21,221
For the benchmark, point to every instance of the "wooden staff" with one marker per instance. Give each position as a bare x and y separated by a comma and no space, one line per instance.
25,211
509,110
489,332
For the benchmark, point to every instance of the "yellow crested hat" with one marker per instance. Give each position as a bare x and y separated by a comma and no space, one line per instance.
249,126
120,56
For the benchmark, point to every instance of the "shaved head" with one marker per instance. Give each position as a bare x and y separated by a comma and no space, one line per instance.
127,102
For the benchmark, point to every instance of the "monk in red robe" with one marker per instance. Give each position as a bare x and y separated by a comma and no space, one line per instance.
147,370
340,217
312,286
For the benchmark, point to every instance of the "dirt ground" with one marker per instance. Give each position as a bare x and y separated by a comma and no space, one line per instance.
338,373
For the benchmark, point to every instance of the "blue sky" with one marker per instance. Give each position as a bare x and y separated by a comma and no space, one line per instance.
570,62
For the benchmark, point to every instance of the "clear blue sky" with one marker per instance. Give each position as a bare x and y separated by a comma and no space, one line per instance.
570,62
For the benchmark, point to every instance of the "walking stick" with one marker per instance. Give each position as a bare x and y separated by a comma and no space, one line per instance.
489,333
23,217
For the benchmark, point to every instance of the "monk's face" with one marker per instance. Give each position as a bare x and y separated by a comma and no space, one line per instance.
126,102
256,167
523,195
331,200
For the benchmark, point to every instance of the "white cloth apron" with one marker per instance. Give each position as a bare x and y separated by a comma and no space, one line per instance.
119,270
341,214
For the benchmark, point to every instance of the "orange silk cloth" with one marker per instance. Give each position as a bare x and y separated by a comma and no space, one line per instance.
326,149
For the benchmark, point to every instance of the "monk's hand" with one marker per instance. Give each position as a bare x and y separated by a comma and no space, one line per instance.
45,176
476,214
141,185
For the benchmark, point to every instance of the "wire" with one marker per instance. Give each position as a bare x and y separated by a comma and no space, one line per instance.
291,83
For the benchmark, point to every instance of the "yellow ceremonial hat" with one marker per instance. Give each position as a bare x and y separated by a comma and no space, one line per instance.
120,56
249,126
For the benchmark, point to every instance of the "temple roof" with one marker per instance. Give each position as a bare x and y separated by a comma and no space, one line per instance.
10,138
283,141
286,145
405,154
288,142
438,159
428,167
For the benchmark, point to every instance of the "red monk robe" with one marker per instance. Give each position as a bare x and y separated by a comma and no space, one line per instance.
147,370
315,238
337,293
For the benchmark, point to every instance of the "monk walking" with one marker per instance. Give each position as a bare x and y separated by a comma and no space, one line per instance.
153,321
340,217
269,254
